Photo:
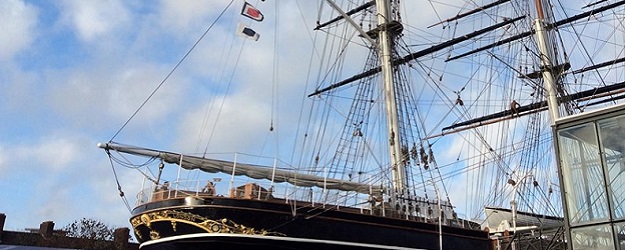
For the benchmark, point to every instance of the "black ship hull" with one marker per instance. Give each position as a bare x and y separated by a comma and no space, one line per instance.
220,222
238,241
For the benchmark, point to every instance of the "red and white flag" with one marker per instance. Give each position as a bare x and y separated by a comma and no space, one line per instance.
251,12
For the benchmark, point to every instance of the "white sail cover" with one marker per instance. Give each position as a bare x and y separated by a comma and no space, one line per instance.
250,170
495,216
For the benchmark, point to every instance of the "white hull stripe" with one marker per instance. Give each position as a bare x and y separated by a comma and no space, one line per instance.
272,238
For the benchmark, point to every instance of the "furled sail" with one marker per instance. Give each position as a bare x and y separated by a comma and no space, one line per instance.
250,170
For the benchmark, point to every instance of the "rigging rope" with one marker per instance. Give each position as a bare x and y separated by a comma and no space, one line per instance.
171,72
119,187
223,100
275,83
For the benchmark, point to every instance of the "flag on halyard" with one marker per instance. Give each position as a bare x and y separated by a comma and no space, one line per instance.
247,32
251,12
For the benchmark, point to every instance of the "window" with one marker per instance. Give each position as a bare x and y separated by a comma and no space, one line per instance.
583,175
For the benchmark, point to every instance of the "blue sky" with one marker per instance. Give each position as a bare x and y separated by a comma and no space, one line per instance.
72,72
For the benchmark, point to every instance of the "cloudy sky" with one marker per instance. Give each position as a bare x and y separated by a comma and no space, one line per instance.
73,72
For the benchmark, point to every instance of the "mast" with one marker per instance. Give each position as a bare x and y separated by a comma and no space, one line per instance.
392,119
546,63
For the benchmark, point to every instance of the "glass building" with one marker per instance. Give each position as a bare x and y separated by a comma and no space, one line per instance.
591,163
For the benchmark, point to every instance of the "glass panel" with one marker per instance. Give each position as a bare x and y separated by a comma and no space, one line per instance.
612,132
583,175
595,237
620,235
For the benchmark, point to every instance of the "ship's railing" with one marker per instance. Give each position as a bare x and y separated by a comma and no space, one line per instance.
177,188
423,210
234,186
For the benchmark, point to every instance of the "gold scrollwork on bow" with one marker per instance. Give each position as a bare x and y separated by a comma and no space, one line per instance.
223,225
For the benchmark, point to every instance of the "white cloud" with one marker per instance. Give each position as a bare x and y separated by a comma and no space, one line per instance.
94,19
184,15
97,98
111,80
72,180
236,130
54,153
18,22
135,84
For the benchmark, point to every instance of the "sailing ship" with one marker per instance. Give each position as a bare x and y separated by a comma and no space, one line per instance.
423,147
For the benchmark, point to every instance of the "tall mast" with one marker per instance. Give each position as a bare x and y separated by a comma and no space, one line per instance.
392,119
546,63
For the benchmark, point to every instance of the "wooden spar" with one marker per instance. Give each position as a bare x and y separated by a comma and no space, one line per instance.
587,14
417,54
531,32
600,65
471,12
595,3
455,41
504,118
607,100
579,96
498,43
349,13
588,98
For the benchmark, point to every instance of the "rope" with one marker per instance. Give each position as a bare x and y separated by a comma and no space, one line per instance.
171,72
119,187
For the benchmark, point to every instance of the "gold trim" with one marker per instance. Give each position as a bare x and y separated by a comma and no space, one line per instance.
154,235
210,226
